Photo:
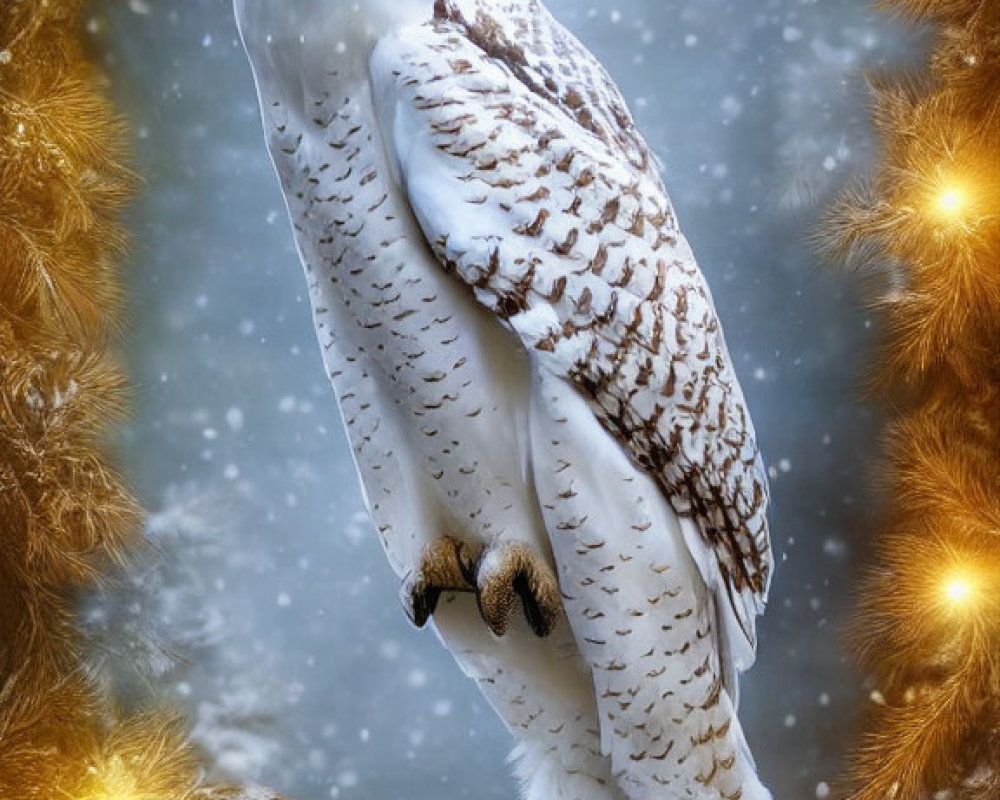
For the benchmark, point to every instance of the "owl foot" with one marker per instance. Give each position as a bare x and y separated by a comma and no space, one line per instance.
509,570
499,574
446,565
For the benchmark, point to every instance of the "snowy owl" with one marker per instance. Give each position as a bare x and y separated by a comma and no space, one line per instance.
550,436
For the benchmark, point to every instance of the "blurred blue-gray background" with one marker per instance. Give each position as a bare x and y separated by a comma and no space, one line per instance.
268,610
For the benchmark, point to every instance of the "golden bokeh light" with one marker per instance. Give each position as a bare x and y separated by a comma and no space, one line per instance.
959,590
963,590
114,782
952,202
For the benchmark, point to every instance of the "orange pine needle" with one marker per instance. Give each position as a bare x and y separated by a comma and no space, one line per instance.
928,626
65,512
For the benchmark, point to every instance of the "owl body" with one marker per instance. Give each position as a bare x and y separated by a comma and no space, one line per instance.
503,299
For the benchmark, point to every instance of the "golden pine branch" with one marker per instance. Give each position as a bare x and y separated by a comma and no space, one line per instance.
928,627
66,515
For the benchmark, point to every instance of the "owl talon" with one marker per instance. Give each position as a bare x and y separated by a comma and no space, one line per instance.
446,565
420,601
499,575
514,570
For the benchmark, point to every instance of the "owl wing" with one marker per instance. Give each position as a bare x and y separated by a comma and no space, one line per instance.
553,64
563,230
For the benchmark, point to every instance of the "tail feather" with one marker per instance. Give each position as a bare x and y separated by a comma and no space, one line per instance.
544,776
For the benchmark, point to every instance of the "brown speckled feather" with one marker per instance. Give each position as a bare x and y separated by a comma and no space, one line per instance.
568,236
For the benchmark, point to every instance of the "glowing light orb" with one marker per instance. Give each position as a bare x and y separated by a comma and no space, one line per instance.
114,784
116,794
951,202
958,591
961,591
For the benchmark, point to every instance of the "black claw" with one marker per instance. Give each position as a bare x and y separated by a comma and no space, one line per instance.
540,619
467,566
423,601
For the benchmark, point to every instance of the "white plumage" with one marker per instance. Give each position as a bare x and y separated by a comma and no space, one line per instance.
532,377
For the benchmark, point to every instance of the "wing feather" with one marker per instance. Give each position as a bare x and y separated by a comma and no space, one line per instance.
546,57
575,246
